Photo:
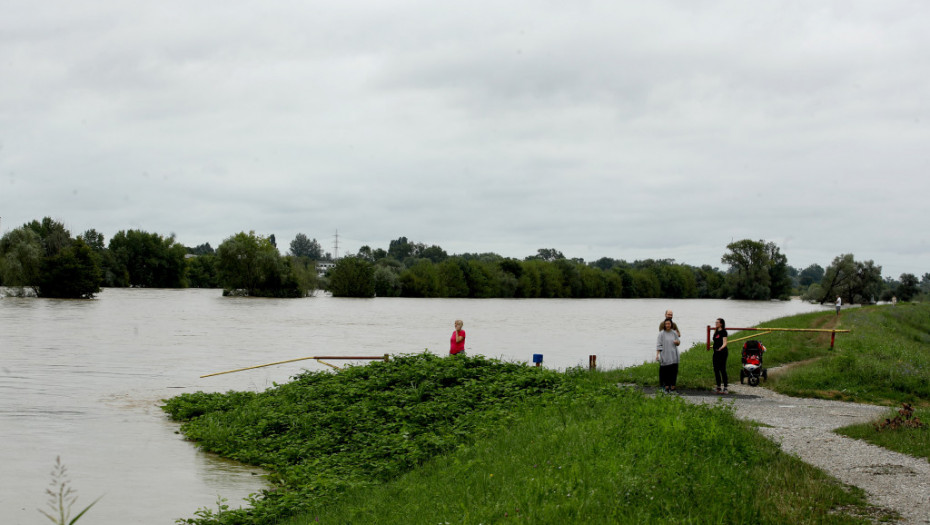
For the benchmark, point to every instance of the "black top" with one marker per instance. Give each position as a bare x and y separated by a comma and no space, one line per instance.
718,338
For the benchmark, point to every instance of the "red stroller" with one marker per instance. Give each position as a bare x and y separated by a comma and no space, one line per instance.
752,363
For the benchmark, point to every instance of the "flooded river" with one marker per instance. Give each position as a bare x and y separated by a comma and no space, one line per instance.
83,380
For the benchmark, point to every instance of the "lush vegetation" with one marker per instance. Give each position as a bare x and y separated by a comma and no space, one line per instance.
44,256
250,264
612,458
760,271
424,439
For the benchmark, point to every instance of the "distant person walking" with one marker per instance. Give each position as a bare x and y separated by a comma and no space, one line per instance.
457,342
668,317
839,304
894,300
720,355
667,356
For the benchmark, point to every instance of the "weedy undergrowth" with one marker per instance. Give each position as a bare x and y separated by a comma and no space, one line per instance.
61,497
904,419
324,433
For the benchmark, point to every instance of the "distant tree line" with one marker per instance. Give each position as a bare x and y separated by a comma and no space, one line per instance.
42,256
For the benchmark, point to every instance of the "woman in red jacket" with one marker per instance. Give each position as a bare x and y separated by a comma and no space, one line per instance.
457,342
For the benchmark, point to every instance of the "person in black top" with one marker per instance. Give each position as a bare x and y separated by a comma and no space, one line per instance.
720,355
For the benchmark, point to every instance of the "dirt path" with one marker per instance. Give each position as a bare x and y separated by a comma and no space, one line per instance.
804,427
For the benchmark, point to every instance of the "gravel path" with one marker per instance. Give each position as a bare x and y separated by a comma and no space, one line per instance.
804,428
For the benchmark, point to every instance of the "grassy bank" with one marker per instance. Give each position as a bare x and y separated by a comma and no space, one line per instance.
613,458
884,360
424,439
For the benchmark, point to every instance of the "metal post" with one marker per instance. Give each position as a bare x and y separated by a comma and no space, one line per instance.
832,339
708,337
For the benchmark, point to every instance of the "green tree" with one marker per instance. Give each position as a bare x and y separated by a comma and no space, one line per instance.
387,281
854,281
303,246
71,273
758,271
352,277
401,249
147,260
908,287
813,274
452,278
201,249
43,256
54,235
434,253
202,272
251,264
21,254
421,280
94,240
546,254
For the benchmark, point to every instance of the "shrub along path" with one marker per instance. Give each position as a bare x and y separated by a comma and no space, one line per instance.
804,427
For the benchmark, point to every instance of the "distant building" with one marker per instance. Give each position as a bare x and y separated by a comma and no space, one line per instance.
323,267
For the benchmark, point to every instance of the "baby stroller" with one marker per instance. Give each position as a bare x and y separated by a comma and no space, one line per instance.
752,363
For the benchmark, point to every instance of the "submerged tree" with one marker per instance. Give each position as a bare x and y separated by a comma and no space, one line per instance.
251,263
43,256
352,277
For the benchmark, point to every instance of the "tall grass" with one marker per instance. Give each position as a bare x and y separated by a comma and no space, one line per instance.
62,497
610,456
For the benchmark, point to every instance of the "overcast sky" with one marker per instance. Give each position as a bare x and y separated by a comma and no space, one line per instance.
630,130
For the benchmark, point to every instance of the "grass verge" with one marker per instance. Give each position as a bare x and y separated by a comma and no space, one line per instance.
884,360
424,439
618,457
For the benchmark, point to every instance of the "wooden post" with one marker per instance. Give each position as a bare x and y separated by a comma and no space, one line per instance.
592,362
832,339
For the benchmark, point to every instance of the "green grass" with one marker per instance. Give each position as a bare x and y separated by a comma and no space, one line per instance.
696,370
615,457
885,360
424,439
915,442
324,433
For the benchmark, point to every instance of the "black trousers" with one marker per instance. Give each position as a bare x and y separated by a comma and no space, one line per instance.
720,366
668,375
